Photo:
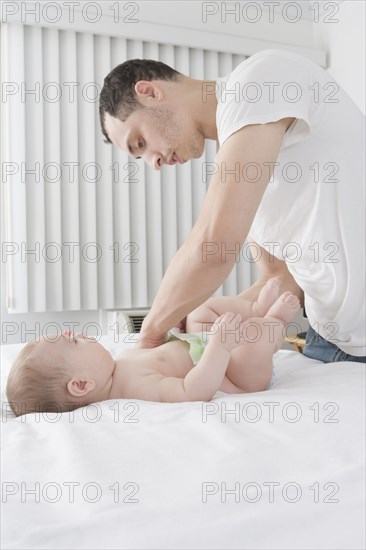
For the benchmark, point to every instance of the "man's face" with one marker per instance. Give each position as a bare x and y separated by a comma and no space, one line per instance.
157,135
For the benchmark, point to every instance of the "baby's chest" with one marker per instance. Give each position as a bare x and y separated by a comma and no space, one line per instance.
170,359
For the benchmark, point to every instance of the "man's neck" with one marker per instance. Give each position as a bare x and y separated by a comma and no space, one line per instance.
209,107
204,105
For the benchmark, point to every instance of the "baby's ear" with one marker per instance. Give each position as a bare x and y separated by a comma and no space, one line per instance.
79,387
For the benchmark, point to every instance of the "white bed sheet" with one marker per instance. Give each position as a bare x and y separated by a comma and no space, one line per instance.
161,454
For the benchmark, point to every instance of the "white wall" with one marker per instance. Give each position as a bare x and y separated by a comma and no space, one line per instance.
344,43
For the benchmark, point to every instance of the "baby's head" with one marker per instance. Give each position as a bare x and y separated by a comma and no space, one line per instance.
59,373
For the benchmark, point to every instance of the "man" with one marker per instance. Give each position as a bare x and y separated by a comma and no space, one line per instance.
290,178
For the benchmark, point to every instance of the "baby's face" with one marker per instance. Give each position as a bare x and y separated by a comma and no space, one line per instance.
85,357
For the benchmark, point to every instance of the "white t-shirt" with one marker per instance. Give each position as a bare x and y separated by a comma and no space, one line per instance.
312,214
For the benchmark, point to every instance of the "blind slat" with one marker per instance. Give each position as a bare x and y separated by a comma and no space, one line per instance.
53,168
15,154
70,176
135,251
104,195
34,169
121,201
154,219
90,175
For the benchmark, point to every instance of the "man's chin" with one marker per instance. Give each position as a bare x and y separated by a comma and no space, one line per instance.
197,154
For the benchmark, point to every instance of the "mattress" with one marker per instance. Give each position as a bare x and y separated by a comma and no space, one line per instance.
278,469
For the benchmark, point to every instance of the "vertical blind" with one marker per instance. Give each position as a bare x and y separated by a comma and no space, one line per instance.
87,227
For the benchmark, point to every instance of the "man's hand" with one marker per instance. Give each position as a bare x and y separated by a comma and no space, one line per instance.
148,342
181,326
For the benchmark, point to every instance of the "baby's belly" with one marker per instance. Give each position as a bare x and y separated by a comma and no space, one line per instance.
180,363
173,360
176,361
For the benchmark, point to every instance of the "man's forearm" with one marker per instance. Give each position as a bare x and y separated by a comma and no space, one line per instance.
187,283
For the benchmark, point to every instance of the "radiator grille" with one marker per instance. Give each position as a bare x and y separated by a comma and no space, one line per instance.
87,228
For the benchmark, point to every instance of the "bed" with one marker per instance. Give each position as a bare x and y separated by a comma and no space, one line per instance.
280,469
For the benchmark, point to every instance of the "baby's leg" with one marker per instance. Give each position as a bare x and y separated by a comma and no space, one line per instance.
202,318
250,366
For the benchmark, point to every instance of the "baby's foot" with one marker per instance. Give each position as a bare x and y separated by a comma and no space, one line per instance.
267,297
285,307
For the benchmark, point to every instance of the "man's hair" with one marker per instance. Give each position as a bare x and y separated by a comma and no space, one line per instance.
118,97
38,385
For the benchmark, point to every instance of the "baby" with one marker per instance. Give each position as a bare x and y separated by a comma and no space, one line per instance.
64,372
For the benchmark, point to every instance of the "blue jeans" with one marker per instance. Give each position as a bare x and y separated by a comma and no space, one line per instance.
316,347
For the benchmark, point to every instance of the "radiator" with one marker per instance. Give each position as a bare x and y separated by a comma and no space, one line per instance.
122,321
86,227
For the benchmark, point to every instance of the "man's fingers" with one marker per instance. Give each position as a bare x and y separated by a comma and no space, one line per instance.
147,342
182,325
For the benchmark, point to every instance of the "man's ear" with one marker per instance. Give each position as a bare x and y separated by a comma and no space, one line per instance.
148,90
79,387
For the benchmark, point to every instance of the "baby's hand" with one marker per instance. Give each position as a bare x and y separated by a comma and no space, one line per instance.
226,331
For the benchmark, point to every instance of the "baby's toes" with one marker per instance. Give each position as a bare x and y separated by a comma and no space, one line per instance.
294,301
286,296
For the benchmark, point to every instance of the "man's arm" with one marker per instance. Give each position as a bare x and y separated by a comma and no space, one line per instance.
229,208
270,266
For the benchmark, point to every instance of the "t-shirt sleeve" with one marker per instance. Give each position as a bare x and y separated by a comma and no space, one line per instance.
267,87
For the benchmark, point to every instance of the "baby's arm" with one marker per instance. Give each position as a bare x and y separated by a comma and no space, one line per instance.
201,383
203,380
